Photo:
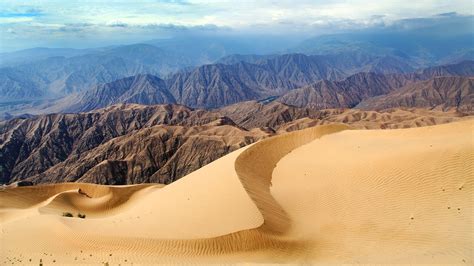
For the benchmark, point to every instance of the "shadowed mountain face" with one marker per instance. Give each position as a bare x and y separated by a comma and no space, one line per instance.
217,85
269,117
155,140
353,90
463,68
440,92
144,89
342,94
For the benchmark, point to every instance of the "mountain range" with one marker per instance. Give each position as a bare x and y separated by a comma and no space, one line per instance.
147,142
291,79
129,143
361,90
47,73
294,79
439,92
156,111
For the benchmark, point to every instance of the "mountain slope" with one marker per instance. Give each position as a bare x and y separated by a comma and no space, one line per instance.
141,89
216,85
126,144
31,146
14,85
351,91
64,75
439,92
463,68
342,94
271,116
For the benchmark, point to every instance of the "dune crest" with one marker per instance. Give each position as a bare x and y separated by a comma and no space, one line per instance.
310,196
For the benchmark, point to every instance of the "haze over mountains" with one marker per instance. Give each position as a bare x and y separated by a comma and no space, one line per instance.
285,76
52,73
294,79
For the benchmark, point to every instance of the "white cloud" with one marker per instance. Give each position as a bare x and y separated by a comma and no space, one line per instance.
115,18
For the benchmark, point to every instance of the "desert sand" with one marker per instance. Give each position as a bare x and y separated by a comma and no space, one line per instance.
327,194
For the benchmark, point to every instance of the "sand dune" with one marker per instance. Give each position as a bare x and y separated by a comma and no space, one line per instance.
320,195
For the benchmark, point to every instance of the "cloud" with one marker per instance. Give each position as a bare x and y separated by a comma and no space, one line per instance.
118,25
85,22
175,2
449,14
20,12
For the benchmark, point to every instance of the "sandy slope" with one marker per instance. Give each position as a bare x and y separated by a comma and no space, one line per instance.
347,196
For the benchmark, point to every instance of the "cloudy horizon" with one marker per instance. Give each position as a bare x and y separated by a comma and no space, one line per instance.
85,24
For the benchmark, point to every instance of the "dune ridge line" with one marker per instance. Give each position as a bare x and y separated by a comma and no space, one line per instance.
255,166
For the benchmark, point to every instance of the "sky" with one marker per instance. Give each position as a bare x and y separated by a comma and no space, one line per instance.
92,23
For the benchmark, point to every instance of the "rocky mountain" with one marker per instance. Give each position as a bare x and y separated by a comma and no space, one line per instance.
143,89
14,85
56,72
139,143
343,94
388,65
207,86
437,93
268,116
311,81
61,75
129,144
353,90
216,85
350,62
463,68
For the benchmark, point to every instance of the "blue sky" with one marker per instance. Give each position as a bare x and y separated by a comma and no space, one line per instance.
62,23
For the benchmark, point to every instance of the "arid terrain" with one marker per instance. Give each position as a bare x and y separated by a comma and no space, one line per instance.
325,194
197,132
134,144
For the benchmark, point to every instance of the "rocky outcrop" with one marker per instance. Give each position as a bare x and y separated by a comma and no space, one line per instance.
271,116
29,147
128,144
142,89
159,154
441,92
363,86
343,94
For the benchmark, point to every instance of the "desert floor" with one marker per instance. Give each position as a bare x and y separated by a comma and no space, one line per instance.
326,194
